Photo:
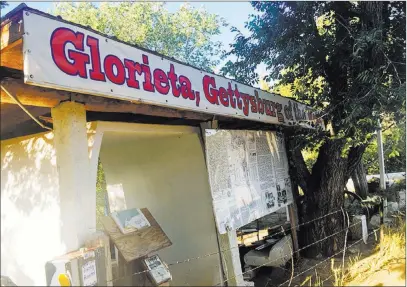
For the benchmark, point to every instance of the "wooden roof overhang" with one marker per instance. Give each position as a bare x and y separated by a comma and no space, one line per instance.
39,101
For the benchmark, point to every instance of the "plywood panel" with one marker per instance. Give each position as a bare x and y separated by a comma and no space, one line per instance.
139,243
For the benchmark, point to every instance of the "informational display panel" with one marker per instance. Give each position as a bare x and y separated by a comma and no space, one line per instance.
248,174
64,56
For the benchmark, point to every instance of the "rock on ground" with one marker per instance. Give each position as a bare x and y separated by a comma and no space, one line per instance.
356,230
392,206
402,200
375,221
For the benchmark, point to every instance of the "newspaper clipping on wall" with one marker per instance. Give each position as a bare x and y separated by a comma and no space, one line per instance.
248,174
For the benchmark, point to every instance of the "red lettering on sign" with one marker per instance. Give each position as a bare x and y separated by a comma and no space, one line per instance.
132,69
246,101
267,105
260,104
231,95
253,103
147,84
186,88
59,39
173,80
96,72
224,97
161,82
68,53
210,94
238,98
117,77
280,115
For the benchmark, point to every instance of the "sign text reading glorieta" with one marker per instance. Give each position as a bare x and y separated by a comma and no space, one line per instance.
79,55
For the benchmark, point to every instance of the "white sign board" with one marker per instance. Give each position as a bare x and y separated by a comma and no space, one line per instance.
248,175
66,57
89,276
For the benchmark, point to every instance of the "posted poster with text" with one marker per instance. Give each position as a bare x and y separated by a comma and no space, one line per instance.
248,174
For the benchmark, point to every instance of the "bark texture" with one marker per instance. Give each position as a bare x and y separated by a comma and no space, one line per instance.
323,189
360,181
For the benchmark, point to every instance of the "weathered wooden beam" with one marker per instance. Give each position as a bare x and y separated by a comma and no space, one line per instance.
14,122
12,29
44,97
12,55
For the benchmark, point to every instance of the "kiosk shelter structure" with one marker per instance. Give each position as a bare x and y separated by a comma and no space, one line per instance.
71,96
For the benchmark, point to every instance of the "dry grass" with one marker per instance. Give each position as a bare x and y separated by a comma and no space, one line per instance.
386,267
389,256
314,280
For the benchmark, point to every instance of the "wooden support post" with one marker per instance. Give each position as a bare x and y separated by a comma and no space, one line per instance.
128,273
124,272
97,240
231,269
231,259
208,125
294,222
108,256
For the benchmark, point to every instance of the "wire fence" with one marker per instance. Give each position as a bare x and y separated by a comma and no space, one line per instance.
274,259
292,254
325,260
235,247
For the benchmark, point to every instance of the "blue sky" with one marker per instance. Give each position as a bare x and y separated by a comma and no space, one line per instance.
235,14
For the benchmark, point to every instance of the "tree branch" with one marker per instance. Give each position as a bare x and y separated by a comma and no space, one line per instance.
298,169
354,158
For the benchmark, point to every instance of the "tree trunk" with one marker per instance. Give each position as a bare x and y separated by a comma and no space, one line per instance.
323,189
360,181
324,193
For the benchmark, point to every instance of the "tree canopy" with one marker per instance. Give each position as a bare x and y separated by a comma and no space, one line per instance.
185,35
3,4
346,60
394,148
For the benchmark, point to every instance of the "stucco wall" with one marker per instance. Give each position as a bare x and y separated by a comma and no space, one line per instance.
30,233
168,176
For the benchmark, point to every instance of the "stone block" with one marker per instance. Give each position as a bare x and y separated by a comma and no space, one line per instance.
375,221
402,200
392,206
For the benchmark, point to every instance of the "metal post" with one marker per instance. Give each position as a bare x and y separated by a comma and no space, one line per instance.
381,156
